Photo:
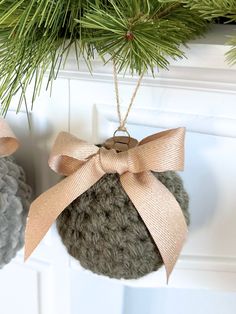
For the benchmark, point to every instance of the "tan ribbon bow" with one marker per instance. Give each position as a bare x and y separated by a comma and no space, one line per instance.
8,142
84,164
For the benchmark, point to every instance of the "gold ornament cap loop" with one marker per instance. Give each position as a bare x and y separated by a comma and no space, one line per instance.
121,129
121,143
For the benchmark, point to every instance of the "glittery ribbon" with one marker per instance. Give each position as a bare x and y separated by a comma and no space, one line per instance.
8,142
84,164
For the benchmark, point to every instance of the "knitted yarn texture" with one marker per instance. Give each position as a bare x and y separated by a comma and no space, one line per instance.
103,230
14,204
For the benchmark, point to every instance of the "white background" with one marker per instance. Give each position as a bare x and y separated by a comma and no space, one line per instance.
199,93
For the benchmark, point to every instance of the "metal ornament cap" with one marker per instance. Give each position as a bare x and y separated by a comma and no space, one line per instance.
121,143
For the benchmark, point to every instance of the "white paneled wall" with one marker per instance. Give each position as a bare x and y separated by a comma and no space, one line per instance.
178,301
199,93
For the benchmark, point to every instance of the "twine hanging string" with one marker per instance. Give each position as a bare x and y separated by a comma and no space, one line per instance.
122,122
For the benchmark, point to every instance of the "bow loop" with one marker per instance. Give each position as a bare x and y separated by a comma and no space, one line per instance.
159,152
8,142
69,153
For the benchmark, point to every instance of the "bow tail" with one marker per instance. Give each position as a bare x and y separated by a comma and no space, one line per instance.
49,205
160,212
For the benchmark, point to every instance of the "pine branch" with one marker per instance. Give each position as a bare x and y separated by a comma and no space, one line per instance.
33,36
139,34
210,9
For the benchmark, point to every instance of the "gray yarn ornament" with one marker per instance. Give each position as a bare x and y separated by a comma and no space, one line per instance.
14,204
103,230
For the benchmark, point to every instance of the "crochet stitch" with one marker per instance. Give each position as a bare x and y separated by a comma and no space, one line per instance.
103,230
14,204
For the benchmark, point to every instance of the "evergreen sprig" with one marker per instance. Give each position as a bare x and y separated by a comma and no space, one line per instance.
34,35
213,8
139,35
210,9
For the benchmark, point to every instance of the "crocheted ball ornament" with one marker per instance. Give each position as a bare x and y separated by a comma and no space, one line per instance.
14,204
103,230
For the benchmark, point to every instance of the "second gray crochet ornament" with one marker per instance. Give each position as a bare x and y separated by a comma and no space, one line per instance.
14,197
103,230
14,204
